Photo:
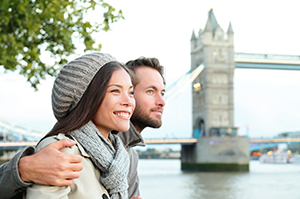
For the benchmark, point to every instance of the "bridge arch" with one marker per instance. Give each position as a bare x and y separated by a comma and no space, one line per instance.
200,130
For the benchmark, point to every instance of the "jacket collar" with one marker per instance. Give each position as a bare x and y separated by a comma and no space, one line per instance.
131,138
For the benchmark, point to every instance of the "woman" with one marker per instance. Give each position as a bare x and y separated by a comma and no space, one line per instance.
91,96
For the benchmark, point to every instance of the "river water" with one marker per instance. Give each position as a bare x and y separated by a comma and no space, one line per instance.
163,179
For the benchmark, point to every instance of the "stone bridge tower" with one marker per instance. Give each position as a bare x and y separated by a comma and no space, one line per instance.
218,148
213,89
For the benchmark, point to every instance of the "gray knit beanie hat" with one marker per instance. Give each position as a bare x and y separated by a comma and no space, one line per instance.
73,80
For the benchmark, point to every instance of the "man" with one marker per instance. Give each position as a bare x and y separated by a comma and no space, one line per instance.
149,89
49,166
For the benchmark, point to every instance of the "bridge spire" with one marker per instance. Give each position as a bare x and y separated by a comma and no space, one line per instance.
230,30
212,23
230,34
208,26
193,37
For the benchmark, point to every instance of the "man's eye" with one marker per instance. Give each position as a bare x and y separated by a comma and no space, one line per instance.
150,91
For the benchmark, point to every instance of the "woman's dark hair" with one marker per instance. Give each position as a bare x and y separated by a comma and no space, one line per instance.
90,101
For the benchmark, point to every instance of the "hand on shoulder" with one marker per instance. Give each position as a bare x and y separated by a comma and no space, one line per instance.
49,166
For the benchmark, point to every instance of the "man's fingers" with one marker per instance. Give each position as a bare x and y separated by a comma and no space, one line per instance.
75,166
72,158
73,175
63,183
62,144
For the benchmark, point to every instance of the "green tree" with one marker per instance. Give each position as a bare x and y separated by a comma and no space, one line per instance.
31,27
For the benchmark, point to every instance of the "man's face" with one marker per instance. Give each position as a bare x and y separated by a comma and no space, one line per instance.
148,94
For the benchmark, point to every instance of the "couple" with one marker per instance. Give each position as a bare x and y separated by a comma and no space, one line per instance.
92,98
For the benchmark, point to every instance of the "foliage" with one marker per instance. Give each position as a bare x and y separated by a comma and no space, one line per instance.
31,27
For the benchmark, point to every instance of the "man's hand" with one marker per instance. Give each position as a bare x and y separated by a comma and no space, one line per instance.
136,197
49,166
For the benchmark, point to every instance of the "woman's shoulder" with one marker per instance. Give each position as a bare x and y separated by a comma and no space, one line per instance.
45,142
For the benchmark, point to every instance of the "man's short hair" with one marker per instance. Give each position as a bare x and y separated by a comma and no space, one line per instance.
148,62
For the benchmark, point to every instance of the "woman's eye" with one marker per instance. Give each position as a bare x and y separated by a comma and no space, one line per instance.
115,91
131,93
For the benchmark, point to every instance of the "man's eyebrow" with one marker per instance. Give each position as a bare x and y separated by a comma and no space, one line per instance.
155,88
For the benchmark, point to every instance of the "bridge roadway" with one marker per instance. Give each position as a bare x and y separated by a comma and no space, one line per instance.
182,141
267,61
190,141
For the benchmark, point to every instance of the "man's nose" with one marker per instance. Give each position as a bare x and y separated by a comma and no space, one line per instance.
160,101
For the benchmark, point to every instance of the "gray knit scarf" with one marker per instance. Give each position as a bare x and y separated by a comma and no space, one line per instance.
111,159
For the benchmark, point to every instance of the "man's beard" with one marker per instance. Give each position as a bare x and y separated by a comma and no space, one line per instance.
141,119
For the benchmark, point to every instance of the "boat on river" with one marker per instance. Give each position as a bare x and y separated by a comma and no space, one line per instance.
295,159
275,158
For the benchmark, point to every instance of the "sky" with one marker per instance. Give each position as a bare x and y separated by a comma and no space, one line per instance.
267,100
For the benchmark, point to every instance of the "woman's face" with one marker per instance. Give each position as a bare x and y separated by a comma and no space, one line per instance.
118,104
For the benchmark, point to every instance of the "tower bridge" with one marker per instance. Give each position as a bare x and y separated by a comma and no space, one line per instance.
214,138
218,146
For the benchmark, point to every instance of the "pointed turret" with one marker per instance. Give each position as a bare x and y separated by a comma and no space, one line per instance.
213,21
230,30
230,34
208,27
193,41
212,26
193,36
